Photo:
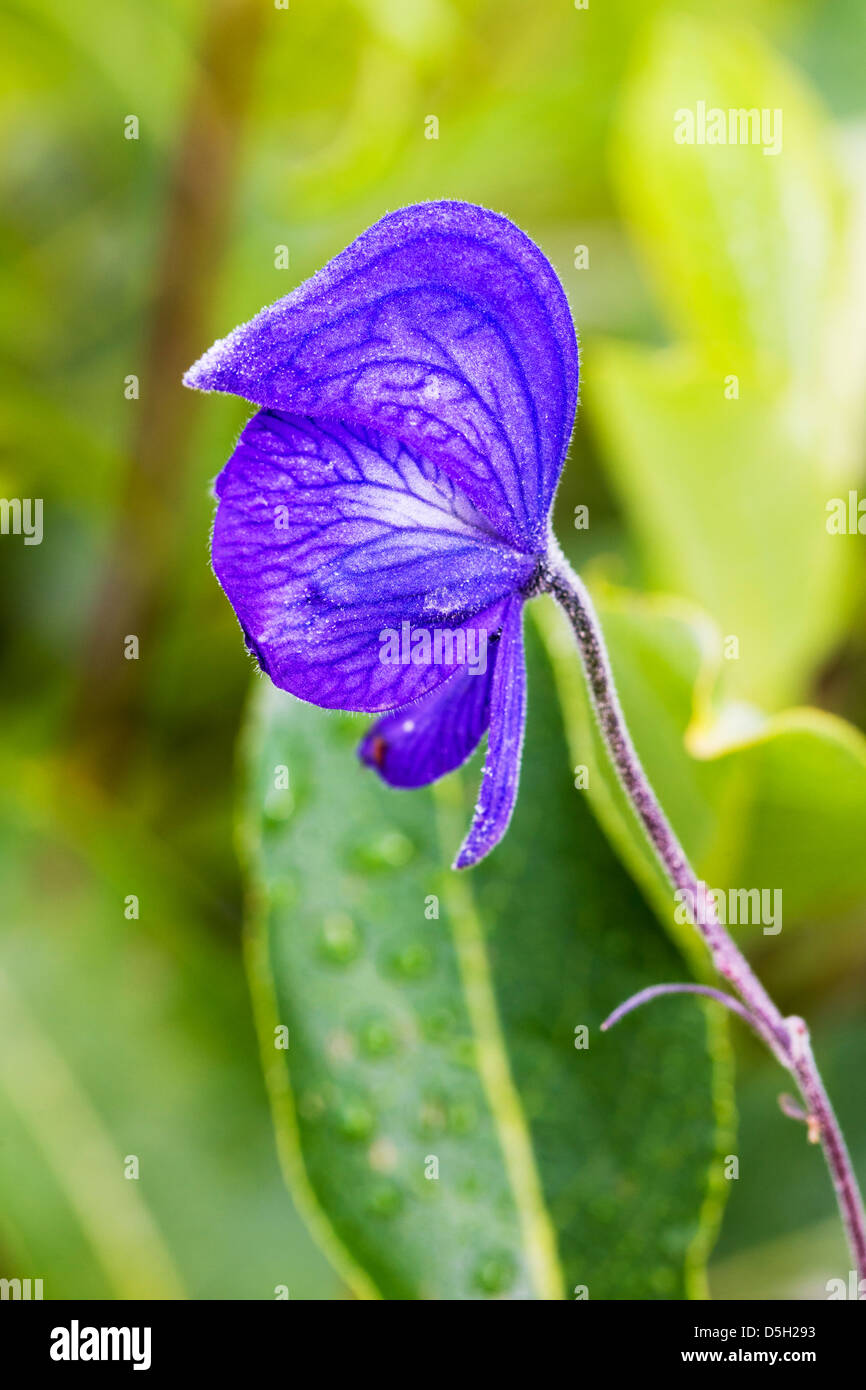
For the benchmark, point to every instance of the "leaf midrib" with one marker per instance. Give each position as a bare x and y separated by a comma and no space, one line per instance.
494,1069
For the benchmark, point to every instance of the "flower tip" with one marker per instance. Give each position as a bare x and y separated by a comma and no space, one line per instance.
203,374
192,376
466,859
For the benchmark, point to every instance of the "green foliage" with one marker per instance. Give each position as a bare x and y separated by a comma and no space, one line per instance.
123,1036
726,448
127,1037
770,1219
453,1039
775,801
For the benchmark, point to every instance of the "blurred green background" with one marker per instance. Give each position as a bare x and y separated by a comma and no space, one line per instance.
263,131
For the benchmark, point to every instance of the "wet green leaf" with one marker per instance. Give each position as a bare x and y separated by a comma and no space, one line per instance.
440,1120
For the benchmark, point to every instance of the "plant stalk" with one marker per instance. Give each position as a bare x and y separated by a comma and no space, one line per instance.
787,1038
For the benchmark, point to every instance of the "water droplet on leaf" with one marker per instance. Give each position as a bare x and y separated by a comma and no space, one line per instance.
339,939
495,1274
377,1039
355,1120
389,850
413,962
386,1201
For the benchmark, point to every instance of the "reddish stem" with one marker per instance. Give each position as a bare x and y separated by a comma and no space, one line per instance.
787,1039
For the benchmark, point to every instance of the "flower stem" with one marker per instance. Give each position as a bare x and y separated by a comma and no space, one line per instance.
656,991
787,1038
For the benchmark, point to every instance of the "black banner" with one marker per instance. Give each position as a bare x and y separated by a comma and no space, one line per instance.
153,1339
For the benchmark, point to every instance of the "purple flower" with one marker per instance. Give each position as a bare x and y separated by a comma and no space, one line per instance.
386,512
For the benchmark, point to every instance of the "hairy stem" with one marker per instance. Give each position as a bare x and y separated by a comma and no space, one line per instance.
656,991
787,1038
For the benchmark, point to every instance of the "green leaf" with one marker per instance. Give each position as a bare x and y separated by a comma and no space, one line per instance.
415,1040
683,458
763,1210
753,259
741,242
776,803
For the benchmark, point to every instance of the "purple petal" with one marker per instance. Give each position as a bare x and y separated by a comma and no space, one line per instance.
327,536
424,741
501,774
444,325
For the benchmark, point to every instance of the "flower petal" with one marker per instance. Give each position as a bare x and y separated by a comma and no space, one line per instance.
327,538
422,742
501,775
442,324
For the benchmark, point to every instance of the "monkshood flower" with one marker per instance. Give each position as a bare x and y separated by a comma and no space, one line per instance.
417,400
386,515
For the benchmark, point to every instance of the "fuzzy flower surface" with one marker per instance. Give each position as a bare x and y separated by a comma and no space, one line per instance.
386,512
